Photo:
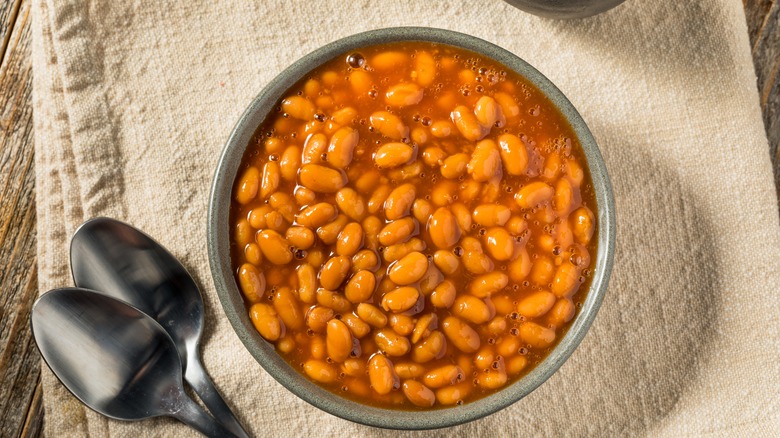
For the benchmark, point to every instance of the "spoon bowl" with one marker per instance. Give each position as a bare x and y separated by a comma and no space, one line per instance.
120,261
114,358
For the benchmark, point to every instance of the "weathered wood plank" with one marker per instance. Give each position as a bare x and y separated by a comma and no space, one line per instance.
19,358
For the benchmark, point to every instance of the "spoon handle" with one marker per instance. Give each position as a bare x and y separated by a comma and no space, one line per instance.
191,414
199,380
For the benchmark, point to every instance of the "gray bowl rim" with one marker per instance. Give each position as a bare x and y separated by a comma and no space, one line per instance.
232,302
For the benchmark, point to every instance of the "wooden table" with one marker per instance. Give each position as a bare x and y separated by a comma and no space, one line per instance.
21,412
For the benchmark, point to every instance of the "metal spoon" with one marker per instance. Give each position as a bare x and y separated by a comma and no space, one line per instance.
115,359
119,260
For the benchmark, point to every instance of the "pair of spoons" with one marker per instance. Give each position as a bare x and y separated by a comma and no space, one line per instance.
123,351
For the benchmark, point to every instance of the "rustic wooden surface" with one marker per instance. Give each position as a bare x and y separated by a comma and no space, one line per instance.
21,411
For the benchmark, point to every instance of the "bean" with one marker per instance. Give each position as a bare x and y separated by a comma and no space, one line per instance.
404,94
353,367
471,309
462,215
566,280
536,304
509,107
344,116
372,225
320,371
450,395
398,231
275,247
443,228
317,318
372,315
490,215
399,202
381,374
424,72
430,279
543,270
443,376
446,261
488,284
552,167
424,326
307,283
314,148
338,340
409,269
300,237
400,250
418,394
342,146
389,60
492,379
290,162
365,259
516,225
444,193
460,334
253,254
421,210
391,342
356,325
433,156
360,287
316,215
243,233
520,267
409,370
252,282
499,243
265,321
563,235
274,221
563,199
392,155
419,135
477,262
351,204
360,81
443,295
401,324
377,199
534,194
454,166
286,344
432,347
574,172
497,325
562,312
357,386
321,179
270,179
330,232
333,300
401,299
583,225
514,154
304,196
485,163
317,347
334,272
536,335
487,111
515,364
389,125
441,128
248,186
298,107
467,124
350,240
288,308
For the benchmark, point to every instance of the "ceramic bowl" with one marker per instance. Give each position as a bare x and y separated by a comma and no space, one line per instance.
565,8
224,280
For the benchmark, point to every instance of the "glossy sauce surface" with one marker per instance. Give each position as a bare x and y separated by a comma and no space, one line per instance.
413,226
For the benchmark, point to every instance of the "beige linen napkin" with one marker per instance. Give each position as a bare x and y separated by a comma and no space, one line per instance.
134,100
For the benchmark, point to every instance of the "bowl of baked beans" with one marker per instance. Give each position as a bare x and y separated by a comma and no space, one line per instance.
411,228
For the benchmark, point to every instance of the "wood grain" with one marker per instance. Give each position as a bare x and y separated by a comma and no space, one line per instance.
21,411
20,395
763,20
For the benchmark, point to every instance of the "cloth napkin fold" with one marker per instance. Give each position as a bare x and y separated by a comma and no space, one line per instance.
134,100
